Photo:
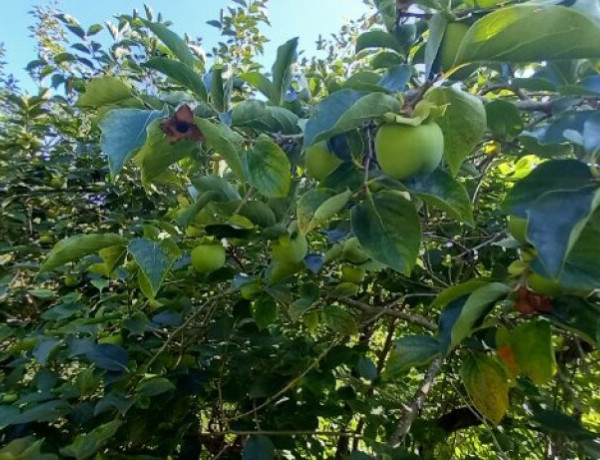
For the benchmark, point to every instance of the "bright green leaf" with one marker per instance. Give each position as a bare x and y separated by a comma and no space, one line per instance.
74,248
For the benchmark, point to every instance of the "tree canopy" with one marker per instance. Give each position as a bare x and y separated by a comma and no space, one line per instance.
391,251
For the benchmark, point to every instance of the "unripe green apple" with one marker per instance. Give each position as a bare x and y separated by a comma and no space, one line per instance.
517,227
251,290
354,253
404,151
207,258
455,32
353,274
46,239
71,281
290,247
114,339
56,182
319,161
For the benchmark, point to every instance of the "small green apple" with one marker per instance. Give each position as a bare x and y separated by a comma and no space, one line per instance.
207,258
290,247
353,274
404,151
319,161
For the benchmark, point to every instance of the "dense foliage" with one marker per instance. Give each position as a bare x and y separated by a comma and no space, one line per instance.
391,252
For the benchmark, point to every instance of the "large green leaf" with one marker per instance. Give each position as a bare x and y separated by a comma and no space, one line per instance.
174,42
317,206
268,168
217,89
181,73
104,91
346,110
463,123
123,132
441,190
525,33
388,12
87,444
388,228
74,248
48,411
261,83
257,115
409,352
157,153
532,350
282,69
437,28
225,142
377,39
486,382
154,261
476,307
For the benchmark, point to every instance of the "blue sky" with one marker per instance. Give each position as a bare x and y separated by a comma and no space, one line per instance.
289,18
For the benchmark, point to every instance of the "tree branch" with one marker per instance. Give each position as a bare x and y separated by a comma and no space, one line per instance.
412,410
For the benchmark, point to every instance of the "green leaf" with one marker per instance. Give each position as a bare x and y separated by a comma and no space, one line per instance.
409,352
437,27
345,110
441,190
174,42
463,123
578,316
225,142
87,444
154,261
261,83
257,115
157,153
217,91
388,228
258,448
531,346
456,291
264,311
317,206
123,132
49,411
377,39
476,307
387,10
339,320
525,33
282,69
154,386
181,73
104,91
74,248
503,119
268,168
486,382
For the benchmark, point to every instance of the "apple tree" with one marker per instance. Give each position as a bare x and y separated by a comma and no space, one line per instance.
391,251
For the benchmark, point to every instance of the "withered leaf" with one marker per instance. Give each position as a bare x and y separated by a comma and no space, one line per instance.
181,126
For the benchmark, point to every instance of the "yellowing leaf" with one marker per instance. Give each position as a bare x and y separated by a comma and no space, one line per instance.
486,382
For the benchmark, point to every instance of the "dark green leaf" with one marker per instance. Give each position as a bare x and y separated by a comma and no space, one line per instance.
258,448
388,228
282,69
181,73
153,260
409,352
123,132
177,46
225,142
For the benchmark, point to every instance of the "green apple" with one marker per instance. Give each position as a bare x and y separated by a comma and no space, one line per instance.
251,290
319,161
353,252
404,151
56,182
46,239
353,274
71,281
207,258
517,227
455,32
290,247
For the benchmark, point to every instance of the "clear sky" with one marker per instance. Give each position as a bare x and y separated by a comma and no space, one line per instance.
289,18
